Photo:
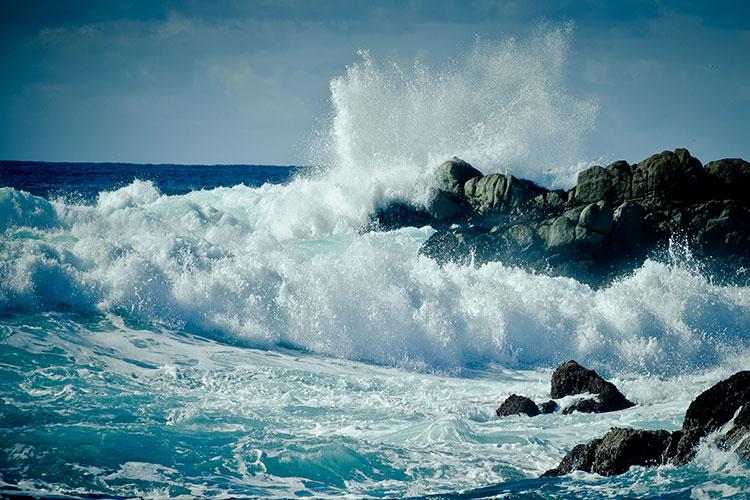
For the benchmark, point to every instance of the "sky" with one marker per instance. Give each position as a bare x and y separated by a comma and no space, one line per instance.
248,81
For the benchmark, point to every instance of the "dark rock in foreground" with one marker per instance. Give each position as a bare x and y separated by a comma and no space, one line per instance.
620,448
607,224
711,410
517,405
549,407
571,379
615,453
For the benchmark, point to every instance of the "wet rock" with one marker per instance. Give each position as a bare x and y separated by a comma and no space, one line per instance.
737,438
517,405
710,411
603,228
454,173
398,215
486,194
549,407
571,379
724,407
615,453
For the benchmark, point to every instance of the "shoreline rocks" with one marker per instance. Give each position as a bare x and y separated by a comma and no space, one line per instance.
620,448
570,379
607,224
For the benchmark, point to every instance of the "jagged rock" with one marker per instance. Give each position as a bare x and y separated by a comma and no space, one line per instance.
517,405
737,438
487,193
726,402
615,453
710,411
549,407
612,184
571,379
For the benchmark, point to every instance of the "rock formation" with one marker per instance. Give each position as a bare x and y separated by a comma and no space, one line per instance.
607,224
571,379
619,449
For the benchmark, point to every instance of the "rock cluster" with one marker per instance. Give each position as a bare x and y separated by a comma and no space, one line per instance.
621,448
570,379
608,223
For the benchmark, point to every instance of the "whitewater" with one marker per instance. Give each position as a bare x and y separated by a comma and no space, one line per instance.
249,339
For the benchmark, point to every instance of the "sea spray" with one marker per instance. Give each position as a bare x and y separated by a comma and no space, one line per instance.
284,265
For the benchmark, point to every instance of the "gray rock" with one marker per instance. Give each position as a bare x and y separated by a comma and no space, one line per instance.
670,175
454,173
606,226
726,402
597,217
486,194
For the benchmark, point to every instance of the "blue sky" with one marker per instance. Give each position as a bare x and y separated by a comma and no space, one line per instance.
247,81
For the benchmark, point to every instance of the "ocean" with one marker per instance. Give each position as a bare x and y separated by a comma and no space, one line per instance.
231,331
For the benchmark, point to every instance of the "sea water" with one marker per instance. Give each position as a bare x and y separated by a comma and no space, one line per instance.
190,331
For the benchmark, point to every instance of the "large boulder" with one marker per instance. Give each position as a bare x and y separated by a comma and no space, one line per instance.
487,193
729,178
711,410
454,173
670,175
615,453
517,405
612,184
571,379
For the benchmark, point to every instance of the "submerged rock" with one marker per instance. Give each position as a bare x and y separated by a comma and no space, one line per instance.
724,404
571,379
517,405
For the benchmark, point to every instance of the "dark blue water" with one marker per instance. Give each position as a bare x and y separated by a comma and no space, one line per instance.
83,182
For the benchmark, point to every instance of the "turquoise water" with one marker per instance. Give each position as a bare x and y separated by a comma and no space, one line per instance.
184,346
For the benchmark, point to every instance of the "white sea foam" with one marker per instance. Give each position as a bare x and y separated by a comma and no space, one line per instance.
284,265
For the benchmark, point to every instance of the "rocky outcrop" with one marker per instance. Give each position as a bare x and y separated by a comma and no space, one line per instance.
615,453
612,219
711,410
726,404
517,405
572,379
